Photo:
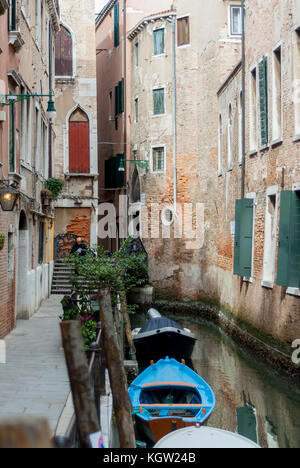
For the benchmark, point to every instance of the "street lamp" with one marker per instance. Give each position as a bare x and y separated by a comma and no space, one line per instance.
8,197
11,99
142,164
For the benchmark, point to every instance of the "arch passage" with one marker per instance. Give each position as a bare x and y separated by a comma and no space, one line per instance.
79,143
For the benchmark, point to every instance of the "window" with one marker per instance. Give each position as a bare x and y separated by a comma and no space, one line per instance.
136,49
12,15
263,99
136,110
230,137
41,252
12,138
277,96
288,268
38,21
253,111
241,127
113,177
79,143
236,21
297,81
243,245
158,159
116,25
119,98
270,238
110,105
63,53
183,31
159,101
44,150
220,163
159,41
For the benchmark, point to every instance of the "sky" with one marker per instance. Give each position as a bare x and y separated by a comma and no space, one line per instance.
100,4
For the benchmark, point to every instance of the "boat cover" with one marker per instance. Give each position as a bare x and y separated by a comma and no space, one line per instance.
159,323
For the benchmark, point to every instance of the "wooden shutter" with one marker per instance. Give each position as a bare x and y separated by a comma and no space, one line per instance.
183,31
244,237
263,96
116,25
63,53
159,101
79,148
117,100
288,267
121,95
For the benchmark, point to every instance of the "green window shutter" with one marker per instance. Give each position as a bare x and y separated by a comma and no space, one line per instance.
116,26
237,240
284,238
294,281
244,237
159,41
159,101
263,97
288,267
117,100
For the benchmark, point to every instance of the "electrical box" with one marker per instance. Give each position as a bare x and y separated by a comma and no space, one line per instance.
2,116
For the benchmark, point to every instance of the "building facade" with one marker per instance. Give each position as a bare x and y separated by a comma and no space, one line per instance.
259,236
75,160
27,43
114,75
174,129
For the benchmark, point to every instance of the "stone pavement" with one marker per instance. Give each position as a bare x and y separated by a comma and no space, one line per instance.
34,381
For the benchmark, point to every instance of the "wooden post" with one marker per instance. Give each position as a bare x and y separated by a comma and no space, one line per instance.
117,375
127,324
25,433
83,399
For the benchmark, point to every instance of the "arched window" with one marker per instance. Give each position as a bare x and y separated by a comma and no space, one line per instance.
79,143
63,53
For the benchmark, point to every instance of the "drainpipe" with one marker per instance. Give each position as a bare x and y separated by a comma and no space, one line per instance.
174,105
243,102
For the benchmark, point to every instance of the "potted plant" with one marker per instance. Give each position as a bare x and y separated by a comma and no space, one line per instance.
2,241
55,186
46,197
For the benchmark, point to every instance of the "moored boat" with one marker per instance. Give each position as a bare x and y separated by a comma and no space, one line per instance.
161,337
205,438
169,396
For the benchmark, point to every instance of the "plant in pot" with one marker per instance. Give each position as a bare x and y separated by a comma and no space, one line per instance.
46,197
55,186
2,241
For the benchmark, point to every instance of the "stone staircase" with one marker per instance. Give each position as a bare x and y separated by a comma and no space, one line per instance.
61,278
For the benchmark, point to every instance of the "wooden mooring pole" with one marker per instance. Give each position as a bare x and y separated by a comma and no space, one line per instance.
117,375
127,324
84,403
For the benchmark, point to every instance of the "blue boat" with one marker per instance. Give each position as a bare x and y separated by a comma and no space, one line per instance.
169,396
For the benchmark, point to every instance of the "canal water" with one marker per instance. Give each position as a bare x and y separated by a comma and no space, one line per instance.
251,397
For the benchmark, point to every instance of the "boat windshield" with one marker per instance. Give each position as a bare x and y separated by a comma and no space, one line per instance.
170,396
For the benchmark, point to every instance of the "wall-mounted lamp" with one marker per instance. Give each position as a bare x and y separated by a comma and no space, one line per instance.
10,99
142,164
8,196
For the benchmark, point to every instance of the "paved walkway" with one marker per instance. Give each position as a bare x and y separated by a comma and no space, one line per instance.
34,380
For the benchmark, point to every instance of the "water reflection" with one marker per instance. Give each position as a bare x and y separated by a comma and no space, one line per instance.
251,398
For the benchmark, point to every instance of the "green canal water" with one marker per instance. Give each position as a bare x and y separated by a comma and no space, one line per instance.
252,399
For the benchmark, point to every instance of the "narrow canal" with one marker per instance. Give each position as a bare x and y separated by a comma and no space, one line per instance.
251,397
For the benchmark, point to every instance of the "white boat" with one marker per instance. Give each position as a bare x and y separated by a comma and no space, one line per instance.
204,438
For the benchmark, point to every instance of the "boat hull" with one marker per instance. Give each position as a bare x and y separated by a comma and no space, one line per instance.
167,342
156,429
